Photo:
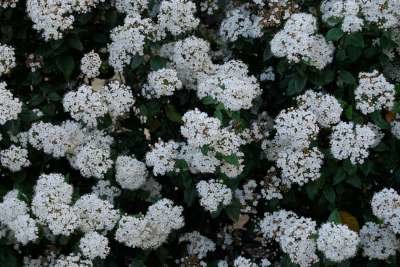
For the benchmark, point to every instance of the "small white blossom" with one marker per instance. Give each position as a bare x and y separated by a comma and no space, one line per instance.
90,64
93,245
7,58
130,173
213,195
14,158
162,82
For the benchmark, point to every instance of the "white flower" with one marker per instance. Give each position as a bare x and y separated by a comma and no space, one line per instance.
93,161
347,10
151,230
373,92
90,64
197,161
384,13
299,166
213,194
118,98
199,129
14,158
24,229
95,214
240,22
7,57
177,17
131,7
104,190
231,85
198,244
130,173
10,107
378,241
386,206
351,141
162,157
243,262
128,40
72,260
12,207
337,242
8,3
162,82
326,108
298,41
294,234
93,245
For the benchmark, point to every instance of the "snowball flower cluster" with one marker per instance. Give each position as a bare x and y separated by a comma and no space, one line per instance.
378,241
213,195
176,17
162,82
90,64
240,22
231,85
326,108
14,214
93,245
14,158
131,7
346,10
93,161
198,244
10,107
298,41
351,141
151,230
8,3
7,59
128,40
384,13
130,173
299,166
75,260
386,206
162,157
337,242
373,92
293,233
88,105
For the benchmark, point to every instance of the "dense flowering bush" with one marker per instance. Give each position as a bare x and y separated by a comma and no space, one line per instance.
199,133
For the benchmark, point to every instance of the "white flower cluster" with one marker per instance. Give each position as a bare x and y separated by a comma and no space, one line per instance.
190,57
240,22
202,130
209,6
131,7
162,157
378,241
337,242
93,161
345,10
351,141
95,214
14,158
299,166
88,105
231,85
198,245
386,206
51,204
325,107
90,64
384,13
395,127
373,92
14,214
243,262
299,41
213,195
8,3
130,173
197,161
176,17
53,17
72,260
93,245
10,107
104,190
274,12
7,59
128,40
162,82
151,230
294,234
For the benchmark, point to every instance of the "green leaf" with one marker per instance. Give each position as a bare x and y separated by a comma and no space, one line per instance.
339,176
296,85
157,63
312,189
172,114
232,159
75,43
233,210
65,63
347,77
136,62
355,39
354,181
330,194
334,34
379,121
334,217
208,100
